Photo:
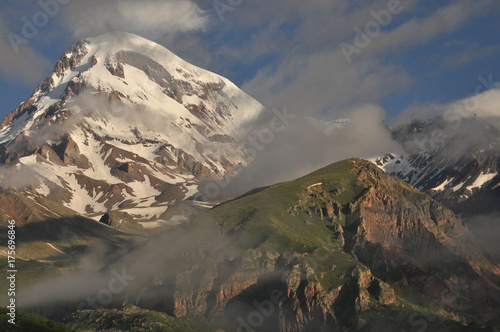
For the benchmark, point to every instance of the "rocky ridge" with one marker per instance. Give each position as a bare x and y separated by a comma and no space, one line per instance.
346,247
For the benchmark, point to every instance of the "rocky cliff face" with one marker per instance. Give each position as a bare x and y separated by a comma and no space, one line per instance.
409,239
284,292
346,247
122,123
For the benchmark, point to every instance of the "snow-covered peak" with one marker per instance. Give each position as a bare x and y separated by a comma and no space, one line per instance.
122,63
122,121
105,46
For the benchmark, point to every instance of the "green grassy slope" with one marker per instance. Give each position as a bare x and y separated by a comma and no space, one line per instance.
296,237
25,322
292,224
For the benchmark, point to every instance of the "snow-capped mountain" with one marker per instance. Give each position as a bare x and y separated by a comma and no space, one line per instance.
457,166
123,123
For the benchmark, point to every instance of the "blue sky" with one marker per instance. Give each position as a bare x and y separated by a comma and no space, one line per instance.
284,53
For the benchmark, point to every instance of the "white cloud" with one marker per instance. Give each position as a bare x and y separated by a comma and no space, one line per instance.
482,105
468,53
323,81
420,31
151,18
307,144
311,73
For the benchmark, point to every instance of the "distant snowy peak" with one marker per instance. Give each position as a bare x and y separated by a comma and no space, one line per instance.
122,122
457,167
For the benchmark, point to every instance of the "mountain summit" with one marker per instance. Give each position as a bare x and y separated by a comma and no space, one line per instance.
123,123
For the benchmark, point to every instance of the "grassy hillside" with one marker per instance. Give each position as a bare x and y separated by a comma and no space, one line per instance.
26,322
132,318
345,248
50,238
315,240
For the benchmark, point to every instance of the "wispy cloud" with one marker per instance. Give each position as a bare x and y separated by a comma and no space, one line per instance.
307,144
483,105
420,31
306,67
469,53
151,18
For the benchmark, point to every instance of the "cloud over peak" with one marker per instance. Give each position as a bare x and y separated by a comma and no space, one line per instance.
151,18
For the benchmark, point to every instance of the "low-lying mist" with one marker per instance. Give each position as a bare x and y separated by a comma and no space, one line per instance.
306,144
107,277
486,227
